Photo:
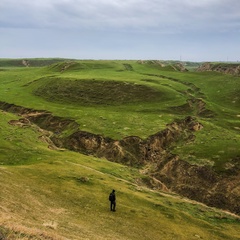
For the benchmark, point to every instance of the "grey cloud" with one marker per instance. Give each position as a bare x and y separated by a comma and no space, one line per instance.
174,15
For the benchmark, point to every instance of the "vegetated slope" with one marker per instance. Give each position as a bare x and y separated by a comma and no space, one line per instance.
96,92
164,169
64,195
29,62
112,123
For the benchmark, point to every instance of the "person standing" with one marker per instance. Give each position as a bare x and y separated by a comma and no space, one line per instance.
112,199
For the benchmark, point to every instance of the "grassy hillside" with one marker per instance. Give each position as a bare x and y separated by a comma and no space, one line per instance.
124,98
28,62
48,194
57,194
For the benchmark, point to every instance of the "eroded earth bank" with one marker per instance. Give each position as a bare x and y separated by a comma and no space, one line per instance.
164,170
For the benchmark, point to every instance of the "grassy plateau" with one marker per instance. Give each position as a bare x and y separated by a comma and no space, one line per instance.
58,194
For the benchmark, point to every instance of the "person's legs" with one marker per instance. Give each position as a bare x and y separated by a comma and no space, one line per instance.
114,206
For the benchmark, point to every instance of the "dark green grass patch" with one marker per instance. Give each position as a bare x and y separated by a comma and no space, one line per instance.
97,92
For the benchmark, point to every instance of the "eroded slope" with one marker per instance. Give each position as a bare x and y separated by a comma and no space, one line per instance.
152,154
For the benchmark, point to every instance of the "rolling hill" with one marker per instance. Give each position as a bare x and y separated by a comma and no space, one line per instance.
167,139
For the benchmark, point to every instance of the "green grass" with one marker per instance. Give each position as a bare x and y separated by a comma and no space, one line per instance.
97,92
33,62
214,145
19,85
56,193
107,98
65,194
14,151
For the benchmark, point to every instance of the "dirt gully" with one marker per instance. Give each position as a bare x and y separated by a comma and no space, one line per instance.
153,154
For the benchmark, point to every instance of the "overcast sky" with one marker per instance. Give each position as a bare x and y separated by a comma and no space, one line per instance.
187,30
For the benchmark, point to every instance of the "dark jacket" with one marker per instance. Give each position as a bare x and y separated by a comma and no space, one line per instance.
112,197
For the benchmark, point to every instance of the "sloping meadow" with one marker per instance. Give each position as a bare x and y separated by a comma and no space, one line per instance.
57,194
52,193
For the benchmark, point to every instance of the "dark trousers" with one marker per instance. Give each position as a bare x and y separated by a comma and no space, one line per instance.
113,205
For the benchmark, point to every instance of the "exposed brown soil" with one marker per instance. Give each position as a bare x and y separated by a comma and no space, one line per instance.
26,63
233,69
195,99
153,154
195,106
179,67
